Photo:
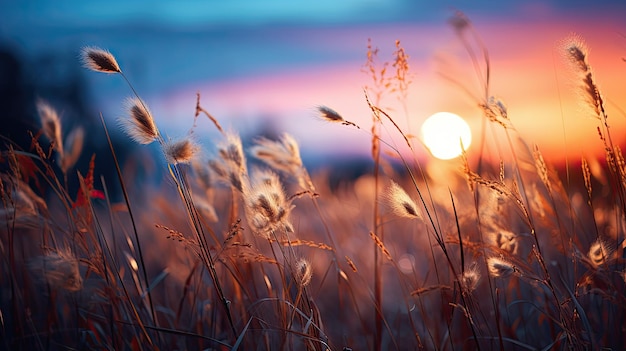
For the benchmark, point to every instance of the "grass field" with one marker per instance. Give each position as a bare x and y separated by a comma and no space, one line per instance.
496,253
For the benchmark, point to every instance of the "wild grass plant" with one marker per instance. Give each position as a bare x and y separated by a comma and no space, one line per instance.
228,255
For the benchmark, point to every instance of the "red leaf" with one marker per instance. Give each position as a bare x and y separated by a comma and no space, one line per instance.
97,194
81,198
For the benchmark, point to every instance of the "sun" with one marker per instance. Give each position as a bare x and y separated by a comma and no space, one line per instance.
443,134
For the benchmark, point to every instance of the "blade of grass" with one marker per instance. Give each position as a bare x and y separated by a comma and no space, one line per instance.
132,220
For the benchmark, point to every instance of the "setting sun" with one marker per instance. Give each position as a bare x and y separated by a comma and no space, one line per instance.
443,133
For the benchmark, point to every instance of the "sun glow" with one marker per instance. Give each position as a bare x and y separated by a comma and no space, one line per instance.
444,133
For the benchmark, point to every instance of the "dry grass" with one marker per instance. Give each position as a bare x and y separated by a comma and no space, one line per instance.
223,257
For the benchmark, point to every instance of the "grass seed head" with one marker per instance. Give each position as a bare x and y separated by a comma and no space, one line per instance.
304,272
51,124
499,268
230,167
267,208
506,240
282,155
180,151
400,202
58,269
140,126
470,279
99,60
328,114
232,150
576,53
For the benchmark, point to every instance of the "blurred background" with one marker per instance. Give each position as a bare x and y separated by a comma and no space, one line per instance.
262,67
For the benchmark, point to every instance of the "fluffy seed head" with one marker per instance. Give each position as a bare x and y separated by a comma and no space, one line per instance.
21,211
328,114
499,268
506,240
470,278
400,202
303,272
140,126
58,269
282,155
267,208
51,124
180,151
99,60
232,150
576,52
230,167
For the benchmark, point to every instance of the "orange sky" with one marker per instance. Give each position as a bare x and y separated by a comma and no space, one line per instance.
527,73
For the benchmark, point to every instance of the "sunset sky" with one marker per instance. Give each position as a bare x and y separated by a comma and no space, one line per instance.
262,65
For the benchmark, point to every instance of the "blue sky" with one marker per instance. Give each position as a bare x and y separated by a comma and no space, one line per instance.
253,12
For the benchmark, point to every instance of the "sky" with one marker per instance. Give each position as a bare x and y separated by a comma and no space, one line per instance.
262,65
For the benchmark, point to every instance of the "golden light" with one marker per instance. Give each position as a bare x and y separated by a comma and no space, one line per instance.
443,133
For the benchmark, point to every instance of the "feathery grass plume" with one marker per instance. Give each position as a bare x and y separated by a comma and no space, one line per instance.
99,60
232,150
180,151
505,240
576,53
282,155
400,202
140,126
267,209
499,268
230,167
20,206
22,195
304,272
470,279
330,115
58,269
74,143
599,252
51,124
